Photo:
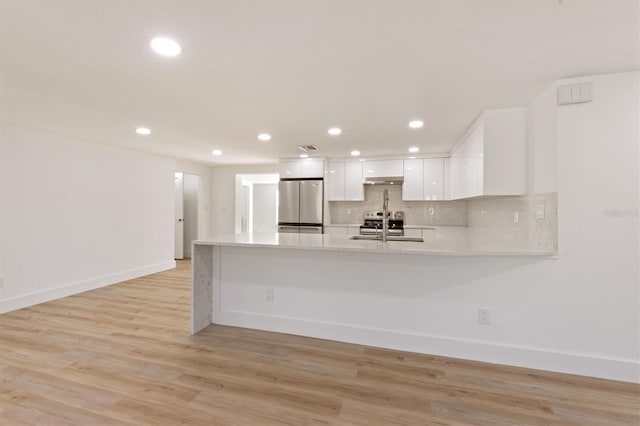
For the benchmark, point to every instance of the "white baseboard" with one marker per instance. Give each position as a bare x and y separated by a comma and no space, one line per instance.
496,353
31,299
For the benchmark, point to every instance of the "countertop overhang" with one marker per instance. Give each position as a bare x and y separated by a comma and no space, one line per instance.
460,243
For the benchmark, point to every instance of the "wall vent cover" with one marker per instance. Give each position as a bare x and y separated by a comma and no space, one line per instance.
308,148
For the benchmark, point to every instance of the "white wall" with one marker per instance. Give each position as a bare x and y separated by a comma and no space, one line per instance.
223,194
78,215
542,146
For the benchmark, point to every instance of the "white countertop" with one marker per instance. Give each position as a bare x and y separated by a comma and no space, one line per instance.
457,243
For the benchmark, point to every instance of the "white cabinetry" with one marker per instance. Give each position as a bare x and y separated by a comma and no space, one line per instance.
413,184
490,159
434,179
344,181
354,189
335,179
307,168
424,179
383,168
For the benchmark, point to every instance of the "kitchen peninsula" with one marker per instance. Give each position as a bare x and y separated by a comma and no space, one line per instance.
329,286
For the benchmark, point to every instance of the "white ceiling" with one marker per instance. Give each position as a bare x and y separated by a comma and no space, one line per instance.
294,68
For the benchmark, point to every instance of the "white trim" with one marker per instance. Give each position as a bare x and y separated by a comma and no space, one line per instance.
521,356
31,299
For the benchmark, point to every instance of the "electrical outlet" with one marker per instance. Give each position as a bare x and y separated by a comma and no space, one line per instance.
432,211
540,211
484,316
516,217
269,295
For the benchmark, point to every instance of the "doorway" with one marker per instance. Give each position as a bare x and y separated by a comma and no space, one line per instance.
187,189
257,202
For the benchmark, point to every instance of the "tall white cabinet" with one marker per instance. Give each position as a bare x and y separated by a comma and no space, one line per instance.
491,157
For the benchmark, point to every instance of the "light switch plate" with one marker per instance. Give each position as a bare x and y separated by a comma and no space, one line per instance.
575,93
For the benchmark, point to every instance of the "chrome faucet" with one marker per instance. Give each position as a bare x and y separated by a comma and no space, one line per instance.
385,215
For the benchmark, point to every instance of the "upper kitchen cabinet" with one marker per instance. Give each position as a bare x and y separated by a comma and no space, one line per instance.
383,169
424,179
307,168
413,184
344,181
434,178
491,157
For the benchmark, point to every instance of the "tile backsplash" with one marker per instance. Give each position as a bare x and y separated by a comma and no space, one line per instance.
416,212
489,219
493,218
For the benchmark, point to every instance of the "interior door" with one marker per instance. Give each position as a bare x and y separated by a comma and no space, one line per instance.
264,207
311,201
179,216
289,206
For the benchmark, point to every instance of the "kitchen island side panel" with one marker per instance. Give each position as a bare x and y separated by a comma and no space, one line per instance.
202,275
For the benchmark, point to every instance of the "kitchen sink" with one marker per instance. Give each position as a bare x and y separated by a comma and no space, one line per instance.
389,238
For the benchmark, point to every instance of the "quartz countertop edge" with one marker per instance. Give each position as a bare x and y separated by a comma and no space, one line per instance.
343,243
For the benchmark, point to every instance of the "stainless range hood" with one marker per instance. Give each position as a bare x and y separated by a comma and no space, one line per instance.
391,180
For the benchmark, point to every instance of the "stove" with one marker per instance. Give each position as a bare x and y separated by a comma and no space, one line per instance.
373,223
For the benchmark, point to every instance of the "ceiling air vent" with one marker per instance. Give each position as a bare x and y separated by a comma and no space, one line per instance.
308,148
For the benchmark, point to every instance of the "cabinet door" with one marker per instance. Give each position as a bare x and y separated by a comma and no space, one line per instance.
467,175
448,178
433,179
460,178
311,168
289,169
413,185
336,181
383,168
354,189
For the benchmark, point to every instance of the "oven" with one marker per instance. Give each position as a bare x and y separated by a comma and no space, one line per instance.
373,223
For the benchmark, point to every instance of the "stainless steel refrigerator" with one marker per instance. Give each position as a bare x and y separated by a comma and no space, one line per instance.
300,206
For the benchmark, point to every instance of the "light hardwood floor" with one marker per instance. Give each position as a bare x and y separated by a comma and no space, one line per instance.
123,355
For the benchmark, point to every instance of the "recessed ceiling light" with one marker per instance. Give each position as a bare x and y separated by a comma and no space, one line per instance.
414,149
416,124
355,153
165,46
264,137
216,152
143,131
304,155
334,131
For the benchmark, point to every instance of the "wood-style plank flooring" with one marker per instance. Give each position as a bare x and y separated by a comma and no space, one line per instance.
122,355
